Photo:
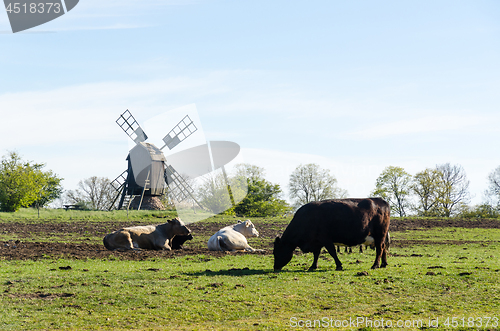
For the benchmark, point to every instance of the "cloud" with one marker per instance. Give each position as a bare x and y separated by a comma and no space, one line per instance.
419,125
85,112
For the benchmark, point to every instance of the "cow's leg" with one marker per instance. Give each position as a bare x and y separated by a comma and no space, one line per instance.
384,258
166,247
222,245
338,249
251,249
123,241
316,253
379,251
361,248
331,249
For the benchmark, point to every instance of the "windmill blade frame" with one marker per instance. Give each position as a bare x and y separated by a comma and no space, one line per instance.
179,133
178,188
129,125
119,184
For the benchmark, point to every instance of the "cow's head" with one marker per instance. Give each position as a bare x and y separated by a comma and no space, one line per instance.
282,254
247,229
178,227
179,240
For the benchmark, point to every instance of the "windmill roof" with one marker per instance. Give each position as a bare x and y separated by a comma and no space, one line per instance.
154,152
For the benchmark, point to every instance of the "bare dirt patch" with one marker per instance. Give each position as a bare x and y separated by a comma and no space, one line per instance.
25,245
415,224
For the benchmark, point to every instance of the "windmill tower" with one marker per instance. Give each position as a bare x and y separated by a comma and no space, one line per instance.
150,175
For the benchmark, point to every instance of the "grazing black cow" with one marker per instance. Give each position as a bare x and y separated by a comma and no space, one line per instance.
327,223
179,240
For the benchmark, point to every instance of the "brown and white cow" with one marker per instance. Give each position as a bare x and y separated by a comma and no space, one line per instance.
155,237
328,223
234,237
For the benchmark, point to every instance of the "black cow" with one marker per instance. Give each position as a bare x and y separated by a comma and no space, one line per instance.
179,240
327,223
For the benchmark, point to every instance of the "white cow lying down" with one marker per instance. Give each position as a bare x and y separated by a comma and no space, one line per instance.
234,238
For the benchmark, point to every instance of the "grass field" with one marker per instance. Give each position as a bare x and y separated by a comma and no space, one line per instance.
447,277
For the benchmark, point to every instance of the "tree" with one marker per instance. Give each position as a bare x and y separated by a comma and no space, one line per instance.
213,194
493,191
394,185
258,198
479,211
425,186
22,183
93,193
51,189
311,183
453,188
263,199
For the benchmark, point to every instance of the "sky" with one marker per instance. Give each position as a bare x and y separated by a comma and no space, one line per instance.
353,86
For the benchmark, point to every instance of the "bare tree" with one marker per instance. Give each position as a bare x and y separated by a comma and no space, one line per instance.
311,183
250,171
95,192
453,188
394,185
493,191
425,186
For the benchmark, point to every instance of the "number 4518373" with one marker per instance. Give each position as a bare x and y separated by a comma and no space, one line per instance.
33,8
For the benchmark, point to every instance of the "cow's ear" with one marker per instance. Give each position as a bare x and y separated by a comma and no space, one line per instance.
277,240
239,221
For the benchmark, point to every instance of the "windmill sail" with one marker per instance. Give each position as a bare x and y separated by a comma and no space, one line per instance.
128,124
119,181
181,131
178,189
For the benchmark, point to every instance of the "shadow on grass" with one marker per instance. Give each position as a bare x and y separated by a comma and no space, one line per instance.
246,272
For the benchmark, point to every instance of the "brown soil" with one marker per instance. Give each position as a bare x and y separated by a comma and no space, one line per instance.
24,247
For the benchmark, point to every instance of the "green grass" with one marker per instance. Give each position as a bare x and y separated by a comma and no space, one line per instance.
30,215
427,281
451,233
199,292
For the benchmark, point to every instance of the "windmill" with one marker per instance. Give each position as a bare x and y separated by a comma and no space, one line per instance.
149,174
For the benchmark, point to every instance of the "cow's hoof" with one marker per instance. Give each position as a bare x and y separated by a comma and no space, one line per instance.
384,265
375,266
312,269
339,268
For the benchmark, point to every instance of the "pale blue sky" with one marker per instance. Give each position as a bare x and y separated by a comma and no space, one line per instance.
354,86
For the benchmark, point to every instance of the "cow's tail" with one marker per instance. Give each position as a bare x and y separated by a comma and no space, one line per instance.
388,241
106,243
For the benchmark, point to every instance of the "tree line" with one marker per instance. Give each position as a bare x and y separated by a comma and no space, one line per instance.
307,183
441,191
